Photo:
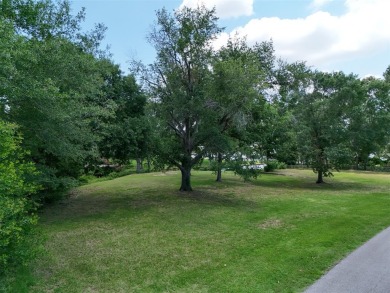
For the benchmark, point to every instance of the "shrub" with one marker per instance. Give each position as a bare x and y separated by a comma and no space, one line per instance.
246,172
121,173
274,165
16,207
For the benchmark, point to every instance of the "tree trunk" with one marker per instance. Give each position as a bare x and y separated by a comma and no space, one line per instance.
148,163
139,165
219,168
321,166
185,179
320,177
357,162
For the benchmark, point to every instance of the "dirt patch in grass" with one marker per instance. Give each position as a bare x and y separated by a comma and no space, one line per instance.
271,224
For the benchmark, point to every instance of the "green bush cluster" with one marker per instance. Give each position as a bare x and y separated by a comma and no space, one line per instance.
274,165
16,206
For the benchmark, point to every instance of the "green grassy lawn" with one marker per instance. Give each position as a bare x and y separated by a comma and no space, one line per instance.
138,234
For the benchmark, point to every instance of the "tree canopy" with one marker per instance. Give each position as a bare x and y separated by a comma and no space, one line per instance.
66,108
75,107
56,87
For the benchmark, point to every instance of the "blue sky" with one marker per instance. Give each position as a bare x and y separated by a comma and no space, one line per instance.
330,35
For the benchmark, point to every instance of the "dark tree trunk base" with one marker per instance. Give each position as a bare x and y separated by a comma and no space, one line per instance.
148,163
320,178
139,168
219,170
219,176
185,180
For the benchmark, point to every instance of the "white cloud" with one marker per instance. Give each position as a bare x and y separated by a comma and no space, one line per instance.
224,8
317,4
321,37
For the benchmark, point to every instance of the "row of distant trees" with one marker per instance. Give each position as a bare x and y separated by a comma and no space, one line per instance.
64,105
241,99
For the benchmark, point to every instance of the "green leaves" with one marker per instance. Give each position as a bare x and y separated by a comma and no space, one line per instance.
340,119
126,134
52,86
16,217
178,82
202,99
321,114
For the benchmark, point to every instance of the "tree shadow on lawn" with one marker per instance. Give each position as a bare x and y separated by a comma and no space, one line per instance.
286,181
217,197
87,205
97,201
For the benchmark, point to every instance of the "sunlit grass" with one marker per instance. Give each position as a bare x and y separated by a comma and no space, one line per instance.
139,234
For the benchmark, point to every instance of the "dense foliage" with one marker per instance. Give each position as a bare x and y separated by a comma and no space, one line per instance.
16,206
55,87
238,106
178,83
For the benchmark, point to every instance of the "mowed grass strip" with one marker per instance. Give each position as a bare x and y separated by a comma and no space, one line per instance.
138,234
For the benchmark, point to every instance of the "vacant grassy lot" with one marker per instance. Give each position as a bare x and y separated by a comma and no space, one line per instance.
138,234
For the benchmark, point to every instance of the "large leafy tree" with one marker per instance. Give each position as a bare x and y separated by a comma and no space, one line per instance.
126,134
321,121
47,19
178,82
52,86
201,98
271,134
237,81
369,119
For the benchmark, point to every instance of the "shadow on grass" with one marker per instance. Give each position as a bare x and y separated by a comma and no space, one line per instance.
207,196
88,205
284,181
99,201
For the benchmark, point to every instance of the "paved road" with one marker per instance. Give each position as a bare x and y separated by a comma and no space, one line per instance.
366,270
